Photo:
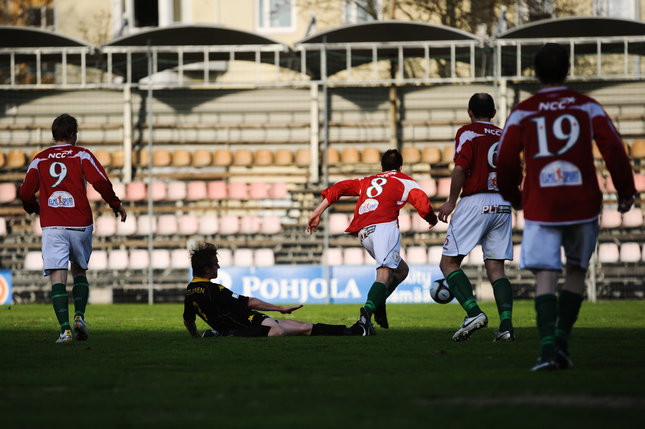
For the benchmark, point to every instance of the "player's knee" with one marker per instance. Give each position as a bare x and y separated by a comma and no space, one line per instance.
277,331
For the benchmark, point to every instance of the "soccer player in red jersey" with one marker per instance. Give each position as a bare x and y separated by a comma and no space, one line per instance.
482,216
375,222
555,130
60,175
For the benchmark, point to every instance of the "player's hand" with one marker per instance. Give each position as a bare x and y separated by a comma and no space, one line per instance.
120,212
288,310
314,221
624,204
445,210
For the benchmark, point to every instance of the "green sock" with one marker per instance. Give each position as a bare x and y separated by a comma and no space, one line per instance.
60,301
503,292
375,297
80,292
569,307
547,313
463,291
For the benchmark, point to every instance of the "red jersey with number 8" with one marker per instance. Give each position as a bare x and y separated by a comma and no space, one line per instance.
556,128
380,197
61,173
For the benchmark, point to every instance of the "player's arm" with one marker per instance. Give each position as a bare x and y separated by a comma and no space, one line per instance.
456,184
420,201
27,192
258,304
314,220
192,328
329,197
509,165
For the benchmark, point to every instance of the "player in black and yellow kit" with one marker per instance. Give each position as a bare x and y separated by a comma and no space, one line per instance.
230,314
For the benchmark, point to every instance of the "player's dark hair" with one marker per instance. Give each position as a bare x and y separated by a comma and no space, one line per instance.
482,105
551,63
201,256
63,127
391,160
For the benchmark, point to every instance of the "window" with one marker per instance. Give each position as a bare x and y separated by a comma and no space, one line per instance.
615,8
146,13
276,15
357,11
40,16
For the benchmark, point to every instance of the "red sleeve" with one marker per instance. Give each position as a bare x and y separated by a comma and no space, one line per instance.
350,187
421,202
96,175
613,152
509,166
27,192
104,187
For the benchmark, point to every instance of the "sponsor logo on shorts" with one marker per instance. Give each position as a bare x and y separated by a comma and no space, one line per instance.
369,205
61,199
397,256
445,243
496,209
365,232
560,173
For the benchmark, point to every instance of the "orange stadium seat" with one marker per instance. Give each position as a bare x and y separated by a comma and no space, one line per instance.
202,158
179,259
188,224
15,159
222,158
303,157
118,158
105,225
135,191
630,252
146,224
258,191
8,192
181,158
283,157
448,153
158,191
141,158
161,158
350,156
104,157
431,155
139,259
271,225
238,191
338,223
638,149
98,260
129,227
217,190
243,157
333,256
176,190
249,224
167,224
333,156
264,257
353,256
608,253
633,218
263,157
196,190
160,259
371,155
243,258
118,259
229,225
33,261
416,255
278,191
411,155
429,185
405,221
208,224
3,159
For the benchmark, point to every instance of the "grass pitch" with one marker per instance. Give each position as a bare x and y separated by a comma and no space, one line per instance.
140,368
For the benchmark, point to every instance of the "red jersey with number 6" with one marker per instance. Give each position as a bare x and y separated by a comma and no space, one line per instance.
476,152
61,173
380,197
556,128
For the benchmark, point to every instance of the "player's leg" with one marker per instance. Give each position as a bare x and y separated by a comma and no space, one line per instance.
55,249
398,276
503,293
60,302
80,251
280,328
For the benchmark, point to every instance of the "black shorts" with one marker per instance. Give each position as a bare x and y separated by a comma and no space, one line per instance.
255,329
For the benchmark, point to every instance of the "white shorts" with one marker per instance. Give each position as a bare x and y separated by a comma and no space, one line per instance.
481,218
383,242
62,245
541,245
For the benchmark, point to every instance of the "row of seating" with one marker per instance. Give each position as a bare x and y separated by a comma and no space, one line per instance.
139,259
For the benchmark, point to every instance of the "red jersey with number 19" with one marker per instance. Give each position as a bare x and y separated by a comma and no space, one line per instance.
556,128
476,152
61,173
380,197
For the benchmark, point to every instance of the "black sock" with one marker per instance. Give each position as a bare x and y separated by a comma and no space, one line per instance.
325,329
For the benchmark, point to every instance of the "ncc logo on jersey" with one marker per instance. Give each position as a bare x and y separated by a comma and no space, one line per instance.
61,199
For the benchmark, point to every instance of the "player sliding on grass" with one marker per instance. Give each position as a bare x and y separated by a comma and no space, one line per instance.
482,216
376,223
555,130
60,173
230,314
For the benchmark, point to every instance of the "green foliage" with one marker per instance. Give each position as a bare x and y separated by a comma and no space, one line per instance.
140,368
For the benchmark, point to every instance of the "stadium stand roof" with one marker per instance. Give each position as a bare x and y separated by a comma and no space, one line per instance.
30,37
585,26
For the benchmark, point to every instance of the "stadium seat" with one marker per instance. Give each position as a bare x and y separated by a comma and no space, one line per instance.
371,155
243,157
2,159
105,225
350,156
3,227
633,218
243,258
129,227
405,221
264,257
160,259
429,185
263,157
517,249
639,182
258,191
104,158
179,259
15,159
135,191
202,158
431,155
434,255
333,256
416,255
608,253
118,158
222,158
196,190
161,158
225,257
443,188
118,259
448,153
440,226
181,158
139,259
354,256
638,149
303,157
33,261
338,223
518,220
609,185
249,224
92,194
419,224
141,158
630,252
278,191
217,190
167,224
238,191
411,155
158,191
333,156
98,260
146,224
119,189
283,157
270,225
610,218
229,225
208,224
187,224
8,192
176,191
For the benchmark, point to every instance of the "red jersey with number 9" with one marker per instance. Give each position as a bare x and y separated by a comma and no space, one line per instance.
61,173
380,197
556,128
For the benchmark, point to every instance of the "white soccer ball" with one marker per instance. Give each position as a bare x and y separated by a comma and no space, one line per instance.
440,292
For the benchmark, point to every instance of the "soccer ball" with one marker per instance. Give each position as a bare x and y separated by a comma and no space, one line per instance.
440,292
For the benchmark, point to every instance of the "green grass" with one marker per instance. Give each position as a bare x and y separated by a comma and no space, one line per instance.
140,368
